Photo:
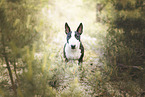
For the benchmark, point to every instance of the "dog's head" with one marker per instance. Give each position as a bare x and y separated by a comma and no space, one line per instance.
73,37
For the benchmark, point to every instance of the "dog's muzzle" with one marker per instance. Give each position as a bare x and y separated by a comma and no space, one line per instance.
73,46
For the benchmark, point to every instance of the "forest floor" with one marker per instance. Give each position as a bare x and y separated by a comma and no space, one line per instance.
93,77
74,13
81,79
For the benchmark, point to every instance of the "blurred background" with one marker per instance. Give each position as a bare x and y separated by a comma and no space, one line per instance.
32,38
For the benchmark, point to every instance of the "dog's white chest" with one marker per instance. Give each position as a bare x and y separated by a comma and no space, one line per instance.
72,54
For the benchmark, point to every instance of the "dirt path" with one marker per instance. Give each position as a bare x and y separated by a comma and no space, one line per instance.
72,76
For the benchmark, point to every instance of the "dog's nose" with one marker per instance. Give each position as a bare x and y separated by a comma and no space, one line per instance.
73,46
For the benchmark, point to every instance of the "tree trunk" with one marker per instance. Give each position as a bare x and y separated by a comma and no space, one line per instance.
8,66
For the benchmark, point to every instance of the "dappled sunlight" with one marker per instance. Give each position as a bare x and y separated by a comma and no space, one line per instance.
69,11
32,39
72,12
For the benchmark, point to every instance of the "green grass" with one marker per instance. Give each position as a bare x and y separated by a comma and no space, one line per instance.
47,75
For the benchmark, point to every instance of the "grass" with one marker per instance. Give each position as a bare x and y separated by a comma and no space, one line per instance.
90,79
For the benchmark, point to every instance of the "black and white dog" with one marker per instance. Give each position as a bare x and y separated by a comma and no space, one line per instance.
73,49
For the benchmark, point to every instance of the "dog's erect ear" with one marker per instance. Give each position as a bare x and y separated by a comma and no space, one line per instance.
67,28
80,28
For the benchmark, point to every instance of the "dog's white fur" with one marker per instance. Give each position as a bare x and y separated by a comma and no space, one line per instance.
73,54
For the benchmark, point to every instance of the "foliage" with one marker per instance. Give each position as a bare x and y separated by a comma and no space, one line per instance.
32,39
18,36
124,49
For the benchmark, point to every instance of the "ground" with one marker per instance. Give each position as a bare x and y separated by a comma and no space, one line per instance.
74,13
91,78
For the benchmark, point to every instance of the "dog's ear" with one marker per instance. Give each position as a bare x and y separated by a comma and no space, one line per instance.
80,28
67,28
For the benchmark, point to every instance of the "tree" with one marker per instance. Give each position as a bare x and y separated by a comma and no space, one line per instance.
16,32
125,39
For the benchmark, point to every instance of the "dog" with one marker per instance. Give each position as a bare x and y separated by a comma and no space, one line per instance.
73,48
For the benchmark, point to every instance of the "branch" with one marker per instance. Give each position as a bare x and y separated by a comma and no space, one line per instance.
8,65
